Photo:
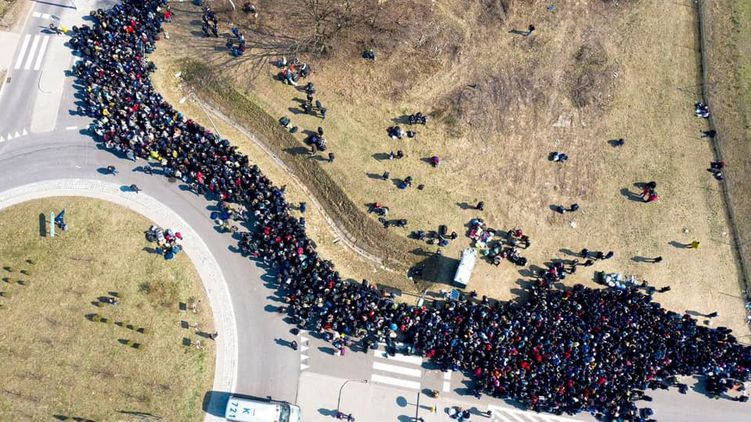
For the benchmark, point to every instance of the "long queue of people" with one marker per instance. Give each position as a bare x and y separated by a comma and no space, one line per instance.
561,351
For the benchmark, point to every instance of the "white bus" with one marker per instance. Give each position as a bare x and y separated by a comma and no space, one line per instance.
249,410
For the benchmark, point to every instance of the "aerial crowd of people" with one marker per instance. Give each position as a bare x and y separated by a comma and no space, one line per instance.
559,351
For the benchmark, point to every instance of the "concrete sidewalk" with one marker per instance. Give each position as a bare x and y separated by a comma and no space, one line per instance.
319,395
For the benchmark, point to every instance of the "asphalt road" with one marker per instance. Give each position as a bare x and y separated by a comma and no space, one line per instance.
60,148
41,140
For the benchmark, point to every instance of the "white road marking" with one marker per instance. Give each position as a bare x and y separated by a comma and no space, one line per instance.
24,132
32,50
9,137
413,360
304,346
40,55
36,15
517,415
16,135
410,372
2,139
395,381
21,52
46,16
515,418
71,128
446,386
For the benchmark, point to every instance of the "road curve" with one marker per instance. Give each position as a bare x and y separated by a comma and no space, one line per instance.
248,360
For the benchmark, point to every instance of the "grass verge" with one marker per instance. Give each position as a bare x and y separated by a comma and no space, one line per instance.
727,50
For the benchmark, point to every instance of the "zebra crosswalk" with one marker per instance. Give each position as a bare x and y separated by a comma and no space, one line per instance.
31,53
398,370
508,414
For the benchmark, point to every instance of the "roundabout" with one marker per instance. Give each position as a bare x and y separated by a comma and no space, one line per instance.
95,324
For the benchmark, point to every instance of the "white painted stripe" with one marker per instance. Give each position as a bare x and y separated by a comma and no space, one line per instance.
9,136
410,372
2,139
21,52
395,381
304,348
497,417
36,14
24,132
303,366
42,49
46,16
71,128
32,50
303,357
515,418
528,415
447,375
412,360
446,386
16,135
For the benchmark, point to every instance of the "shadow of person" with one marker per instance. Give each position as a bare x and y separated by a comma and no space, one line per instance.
630,195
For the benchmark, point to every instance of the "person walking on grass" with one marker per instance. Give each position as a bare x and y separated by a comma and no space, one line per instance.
654,260
694,244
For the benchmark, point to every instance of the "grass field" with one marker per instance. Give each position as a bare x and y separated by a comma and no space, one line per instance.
500,103
65,358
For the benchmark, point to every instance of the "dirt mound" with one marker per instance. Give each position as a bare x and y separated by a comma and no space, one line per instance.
592,77
495,99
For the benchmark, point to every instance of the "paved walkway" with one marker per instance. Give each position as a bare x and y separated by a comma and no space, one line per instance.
208,269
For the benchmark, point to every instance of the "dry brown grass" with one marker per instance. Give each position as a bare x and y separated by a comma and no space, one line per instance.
5,5
501,103
60,357
728,50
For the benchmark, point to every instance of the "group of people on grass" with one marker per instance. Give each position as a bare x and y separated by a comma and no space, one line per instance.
560,351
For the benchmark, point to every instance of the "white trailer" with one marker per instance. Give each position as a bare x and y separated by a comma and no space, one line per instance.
466,266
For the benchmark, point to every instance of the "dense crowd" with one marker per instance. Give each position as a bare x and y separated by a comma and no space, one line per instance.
561,351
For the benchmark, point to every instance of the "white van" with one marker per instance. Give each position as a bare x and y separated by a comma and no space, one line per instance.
249,410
